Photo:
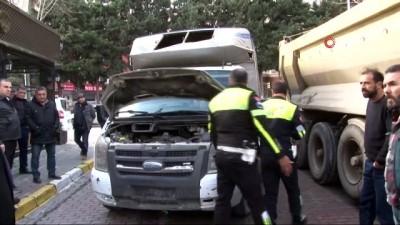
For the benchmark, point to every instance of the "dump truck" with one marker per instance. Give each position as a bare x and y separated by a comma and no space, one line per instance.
322,68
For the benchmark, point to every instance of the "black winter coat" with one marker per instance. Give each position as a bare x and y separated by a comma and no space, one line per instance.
43,121
20,105
9,121
7,212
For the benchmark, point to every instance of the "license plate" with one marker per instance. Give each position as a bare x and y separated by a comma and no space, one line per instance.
158,193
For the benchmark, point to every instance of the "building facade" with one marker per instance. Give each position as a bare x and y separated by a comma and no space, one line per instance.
29,49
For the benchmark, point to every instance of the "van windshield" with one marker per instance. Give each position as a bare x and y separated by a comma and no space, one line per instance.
154,105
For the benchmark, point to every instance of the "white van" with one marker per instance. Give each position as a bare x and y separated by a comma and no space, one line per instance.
154,152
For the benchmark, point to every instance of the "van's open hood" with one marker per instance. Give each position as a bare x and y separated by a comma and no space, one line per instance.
126,87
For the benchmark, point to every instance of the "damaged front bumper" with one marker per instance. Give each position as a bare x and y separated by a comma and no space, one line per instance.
101,184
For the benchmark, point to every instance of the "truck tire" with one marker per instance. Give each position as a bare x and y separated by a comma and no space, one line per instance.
302,157
241,209
350,160
322,153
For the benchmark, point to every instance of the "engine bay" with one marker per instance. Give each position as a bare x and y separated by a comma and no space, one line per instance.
158,133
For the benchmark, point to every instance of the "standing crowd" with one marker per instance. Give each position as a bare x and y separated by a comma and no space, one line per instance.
253,139
38,121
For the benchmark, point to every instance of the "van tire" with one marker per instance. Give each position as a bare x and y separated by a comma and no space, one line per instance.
351,145
322,153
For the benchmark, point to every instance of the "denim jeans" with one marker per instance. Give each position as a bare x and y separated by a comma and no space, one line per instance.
23,148
373,197
51,158
396,215
82,132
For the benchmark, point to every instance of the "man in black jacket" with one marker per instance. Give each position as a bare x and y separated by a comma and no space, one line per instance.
84,115
20,104
10,130
42,118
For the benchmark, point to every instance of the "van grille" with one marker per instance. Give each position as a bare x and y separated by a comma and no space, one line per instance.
150,153
168,162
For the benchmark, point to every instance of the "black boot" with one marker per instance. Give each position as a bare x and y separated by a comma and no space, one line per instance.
299,220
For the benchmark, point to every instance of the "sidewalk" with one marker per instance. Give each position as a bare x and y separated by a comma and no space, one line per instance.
67,158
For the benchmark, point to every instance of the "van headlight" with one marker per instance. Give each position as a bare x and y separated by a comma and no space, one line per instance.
100,153
212,168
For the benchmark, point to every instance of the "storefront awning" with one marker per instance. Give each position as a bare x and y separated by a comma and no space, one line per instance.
23,35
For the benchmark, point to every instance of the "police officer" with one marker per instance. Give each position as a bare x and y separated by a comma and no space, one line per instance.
284,123
237,120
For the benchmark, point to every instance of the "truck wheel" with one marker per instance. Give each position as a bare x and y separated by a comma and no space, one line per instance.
322,153
350,161
241,209
301,159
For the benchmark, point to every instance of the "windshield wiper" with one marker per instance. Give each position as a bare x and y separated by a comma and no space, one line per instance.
184,112
132,112
136,113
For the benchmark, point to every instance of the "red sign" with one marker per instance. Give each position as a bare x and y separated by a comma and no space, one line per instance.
68,86
92,87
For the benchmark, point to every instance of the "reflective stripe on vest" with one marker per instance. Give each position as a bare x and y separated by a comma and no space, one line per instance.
279,109
238,100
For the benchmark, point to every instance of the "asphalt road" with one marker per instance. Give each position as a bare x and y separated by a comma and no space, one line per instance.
78,205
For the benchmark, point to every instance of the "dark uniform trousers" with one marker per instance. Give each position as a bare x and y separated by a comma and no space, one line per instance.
233,171
271,174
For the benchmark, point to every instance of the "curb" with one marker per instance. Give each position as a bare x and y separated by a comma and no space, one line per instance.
45,193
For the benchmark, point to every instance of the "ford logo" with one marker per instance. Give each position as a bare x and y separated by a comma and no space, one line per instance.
152,166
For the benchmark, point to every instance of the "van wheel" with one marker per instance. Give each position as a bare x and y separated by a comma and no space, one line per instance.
351,159
322,153
241,209
301,159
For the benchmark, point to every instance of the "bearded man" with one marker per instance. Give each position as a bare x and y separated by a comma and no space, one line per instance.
376,138
392,173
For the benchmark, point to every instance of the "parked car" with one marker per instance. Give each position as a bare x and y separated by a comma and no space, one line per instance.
66,117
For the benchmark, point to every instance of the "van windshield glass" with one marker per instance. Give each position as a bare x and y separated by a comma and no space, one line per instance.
220,75
156,105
